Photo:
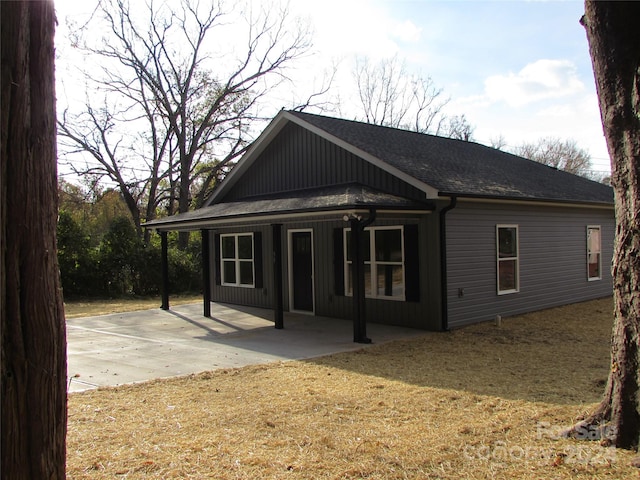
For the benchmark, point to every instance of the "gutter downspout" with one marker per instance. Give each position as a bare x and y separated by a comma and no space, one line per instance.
443,263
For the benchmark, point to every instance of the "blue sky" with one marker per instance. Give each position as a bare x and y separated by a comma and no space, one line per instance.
516,69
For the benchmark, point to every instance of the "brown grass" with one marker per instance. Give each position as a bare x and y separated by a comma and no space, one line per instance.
91,307
480,402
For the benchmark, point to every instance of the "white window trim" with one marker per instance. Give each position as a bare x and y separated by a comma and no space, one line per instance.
516,258
237,261
599,277
374,264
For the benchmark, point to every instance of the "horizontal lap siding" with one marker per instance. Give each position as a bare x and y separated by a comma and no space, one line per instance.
552,256
298,159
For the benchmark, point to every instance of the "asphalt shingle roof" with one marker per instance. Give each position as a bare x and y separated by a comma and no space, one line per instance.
318,200
462,168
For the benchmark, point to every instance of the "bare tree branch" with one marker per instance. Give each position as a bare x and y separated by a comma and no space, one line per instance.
174,106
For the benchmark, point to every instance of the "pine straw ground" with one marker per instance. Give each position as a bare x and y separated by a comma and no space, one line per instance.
480,402
89,307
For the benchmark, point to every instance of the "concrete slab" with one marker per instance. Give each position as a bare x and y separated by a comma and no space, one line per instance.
116,349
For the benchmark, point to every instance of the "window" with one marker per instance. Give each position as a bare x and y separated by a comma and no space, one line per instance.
507,255
384,262
593,253
236,254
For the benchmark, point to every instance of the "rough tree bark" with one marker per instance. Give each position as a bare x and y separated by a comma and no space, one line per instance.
32,339
614,37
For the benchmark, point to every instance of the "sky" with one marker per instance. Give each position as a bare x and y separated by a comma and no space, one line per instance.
519,70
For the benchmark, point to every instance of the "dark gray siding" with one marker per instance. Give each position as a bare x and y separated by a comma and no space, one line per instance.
298,159
553,267
424,314
257,297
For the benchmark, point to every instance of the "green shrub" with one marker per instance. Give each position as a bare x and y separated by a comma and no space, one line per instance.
122,264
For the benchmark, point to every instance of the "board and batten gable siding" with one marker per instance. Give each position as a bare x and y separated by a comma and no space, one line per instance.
299,159
552,259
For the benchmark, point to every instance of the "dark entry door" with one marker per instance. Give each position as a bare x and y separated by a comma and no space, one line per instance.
302,271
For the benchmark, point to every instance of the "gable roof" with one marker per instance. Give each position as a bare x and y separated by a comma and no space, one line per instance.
456,167
441,167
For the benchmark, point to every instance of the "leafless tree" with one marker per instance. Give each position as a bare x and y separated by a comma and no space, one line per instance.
499,142
33,409
555,152
457,127
613,36
174,111
389,96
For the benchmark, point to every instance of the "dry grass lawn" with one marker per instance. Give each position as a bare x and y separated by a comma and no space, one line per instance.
90,307
480,402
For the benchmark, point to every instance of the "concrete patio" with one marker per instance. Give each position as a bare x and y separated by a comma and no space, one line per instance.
110,350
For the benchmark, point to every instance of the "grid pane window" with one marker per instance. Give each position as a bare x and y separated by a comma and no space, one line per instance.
236,253
507,258
384,273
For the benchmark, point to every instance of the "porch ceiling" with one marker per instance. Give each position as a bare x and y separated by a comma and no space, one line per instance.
316,201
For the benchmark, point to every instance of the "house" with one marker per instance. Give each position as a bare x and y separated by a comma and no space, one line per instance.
338,218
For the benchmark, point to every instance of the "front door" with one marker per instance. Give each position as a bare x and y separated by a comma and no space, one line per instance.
301,270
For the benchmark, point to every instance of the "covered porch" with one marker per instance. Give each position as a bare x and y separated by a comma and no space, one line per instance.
354,206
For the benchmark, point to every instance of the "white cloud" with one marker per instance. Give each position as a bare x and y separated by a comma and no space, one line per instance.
540,80
356,27
406,31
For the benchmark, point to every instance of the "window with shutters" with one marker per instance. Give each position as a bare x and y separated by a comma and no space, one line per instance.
383,262
237,262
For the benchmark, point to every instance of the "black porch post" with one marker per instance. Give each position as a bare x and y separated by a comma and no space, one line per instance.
278,303
357,263
206,273
165,271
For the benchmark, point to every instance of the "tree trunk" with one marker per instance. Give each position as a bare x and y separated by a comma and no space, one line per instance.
32,342
184,199
614,37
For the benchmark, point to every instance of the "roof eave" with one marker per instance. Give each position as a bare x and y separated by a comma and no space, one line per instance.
528,200
192,224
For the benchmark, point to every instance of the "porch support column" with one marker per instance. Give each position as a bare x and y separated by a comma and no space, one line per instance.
164,289
357,263
206,273
278,286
